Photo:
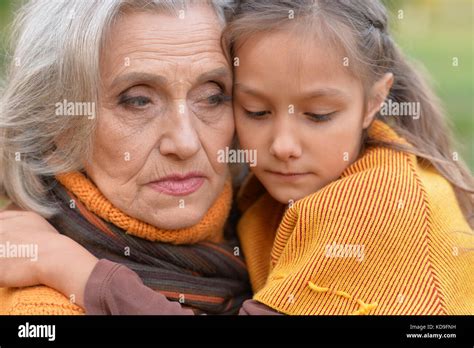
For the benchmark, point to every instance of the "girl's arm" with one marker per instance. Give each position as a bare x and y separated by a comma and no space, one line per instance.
100,287
115,289
52,259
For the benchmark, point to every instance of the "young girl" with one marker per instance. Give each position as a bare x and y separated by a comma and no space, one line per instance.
372,224
351,209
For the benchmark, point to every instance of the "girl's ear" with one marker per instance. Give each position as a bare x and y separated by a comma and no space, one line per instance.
377,95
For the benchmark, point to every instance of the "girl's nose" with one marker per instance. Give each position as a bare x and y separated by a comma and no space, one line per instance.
285,144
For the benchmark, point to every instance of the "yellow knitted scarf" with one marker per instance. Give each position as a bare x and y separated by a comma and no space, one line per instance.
387,237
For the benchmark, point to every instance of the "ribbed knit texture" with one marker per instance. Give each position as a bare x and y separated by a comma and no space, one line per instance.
417,248
36,300
42,300
208,229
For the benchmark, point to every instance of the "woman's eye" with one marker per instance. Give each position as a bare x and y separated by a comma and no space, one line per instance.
136,102
319,117
218,99
256,114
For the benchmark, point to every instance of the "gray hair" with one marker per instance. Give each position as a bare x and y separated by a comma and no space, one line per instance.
56,48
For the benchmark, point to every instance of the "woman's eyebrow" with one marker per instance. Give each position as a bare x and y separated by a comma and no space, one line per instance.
218,73
140,77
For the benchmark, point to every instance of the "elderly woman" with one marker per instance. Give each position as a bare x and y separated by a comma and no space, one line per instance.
111,119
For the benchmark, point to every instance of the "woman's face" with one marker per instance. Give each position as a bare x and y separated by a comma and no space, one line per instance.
301,110
163,117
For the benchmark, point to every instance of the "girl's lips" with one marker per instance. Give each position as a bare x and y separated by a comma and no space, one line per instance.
287,176
176,185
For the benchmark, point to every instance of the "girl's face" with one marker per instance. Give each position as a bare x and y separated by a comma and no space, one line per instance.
298,106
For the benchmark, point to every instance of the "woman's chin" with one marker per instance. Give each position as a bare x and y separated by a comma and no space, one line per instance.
174,219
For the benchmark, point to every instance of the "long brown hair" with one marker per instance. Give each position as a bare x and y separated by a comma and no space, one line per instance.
360,28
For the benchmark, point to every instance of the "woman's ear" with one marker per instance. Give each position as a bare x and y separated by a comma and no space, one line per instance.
377,95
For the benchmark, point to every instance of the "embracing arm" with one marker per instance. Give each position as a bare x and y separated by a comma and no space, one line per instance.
99,286
54,260
115,289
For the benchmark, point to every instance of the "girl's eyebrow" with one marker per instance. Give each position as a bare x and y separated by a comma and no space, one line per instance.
248,90
326,92
313,94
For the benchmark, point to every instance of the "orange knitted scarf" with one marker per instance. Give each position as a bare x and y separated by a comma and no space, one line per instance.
210,228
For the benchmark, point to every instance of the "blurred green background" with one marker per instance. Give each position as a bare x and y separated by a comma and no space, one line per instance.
432,32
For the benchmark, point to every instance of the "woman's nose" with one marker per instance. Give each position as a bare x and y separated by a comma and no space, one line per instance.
181,139
285,144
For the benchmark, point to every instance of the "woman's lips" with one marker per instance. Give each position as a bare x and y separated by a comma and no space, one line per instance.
179,185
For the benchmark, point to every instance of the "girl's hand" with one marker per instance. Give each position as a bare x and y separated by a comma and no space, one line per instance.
32,252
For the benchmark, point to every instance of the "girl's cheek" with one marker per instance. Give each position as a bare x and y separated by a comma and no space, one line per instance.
244,131
348,153
348,133
333,155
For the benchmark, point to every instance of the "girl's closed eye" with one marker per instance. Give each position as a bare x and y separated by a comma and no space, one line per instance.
313,116
320,117
256,114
